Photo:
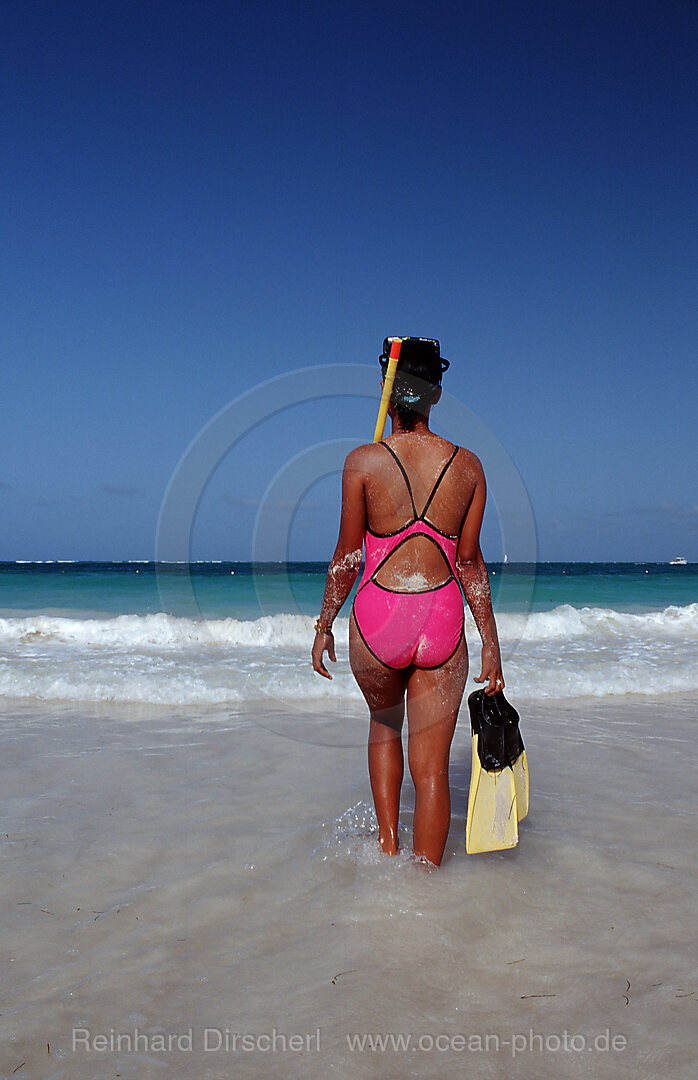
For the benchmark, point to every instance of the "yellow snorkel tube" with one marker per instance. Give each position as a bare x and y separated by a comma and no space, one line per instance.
387,388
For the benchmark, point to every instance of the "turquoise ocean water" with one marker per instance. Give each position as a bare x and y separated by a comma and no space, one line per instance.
246,591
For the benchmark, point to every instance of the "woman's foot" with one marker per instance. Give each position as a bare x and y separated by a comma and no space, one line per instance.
388,845
425,863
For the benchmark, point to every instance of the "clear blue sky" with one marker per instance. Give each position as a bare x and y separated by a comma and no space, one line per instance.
199,195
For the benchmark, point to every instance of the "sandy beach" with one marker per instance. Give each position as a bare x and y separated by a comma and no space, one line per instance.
176,880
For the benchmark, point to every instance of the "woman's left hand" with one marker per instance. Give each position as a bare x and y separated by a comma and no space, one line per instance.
491,671
322,642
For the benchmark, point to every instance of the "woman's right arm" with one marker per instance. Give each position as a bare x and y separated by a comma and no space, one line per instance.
346,561
472,574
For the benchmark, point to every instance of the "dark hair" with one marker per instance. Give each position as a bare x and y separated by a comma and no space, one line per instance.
417,379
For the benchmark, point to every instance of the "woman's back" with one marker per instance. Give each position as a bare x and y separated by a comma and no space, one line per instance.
422,481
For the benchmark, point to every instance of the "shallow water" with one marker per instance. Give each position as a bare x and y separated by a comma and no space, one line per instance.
181,870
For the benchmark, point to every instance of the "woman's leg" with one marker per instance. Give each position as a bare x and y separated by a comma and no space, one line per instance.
384,691
385,769
434,696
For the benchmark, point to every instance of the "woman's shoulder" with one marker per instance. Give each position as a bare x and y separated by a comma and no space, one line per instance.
468,459
463,458
362,458
364,453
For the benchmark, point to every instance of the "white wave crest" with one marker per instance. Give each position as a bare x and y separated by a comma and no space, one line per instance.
291,631
161,631
570,622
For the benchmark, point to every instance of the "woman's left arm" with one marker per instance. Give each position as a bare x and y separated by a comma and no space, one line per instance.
346,561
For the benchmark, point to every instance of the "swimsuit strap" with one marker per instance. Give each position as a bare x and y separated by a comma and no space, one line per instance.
441,476
420,517
407,480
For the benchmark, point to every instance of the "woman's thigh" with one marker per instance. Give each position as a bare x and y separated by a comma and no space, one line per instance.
382,687
434,696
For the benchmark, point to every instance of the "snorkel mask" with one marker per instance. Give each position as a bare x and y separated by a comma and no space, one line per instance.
427,350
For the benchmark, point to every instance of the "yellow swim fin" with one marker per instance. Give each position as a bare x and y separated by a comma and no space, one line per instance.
499,789
492,823
521,783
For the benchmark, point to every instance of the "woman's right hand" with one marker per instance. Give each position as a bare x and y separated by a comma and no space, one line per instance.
491,669
323,641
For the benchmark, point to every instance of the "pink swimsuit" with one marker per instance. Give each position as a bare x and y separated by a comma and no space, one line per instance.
400,628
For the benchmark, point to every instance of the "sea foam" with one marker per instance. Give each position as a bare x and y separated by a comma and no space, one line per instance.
167,660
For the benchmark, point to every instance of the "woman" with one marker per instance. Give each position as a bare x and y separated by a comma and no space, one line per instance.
417,502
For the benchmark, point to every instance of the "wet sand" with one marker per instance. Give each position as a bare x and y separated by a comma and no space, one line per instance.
196,875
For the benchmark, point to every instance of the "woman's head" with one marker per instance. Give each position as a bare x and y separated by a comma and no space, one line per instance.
417,383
